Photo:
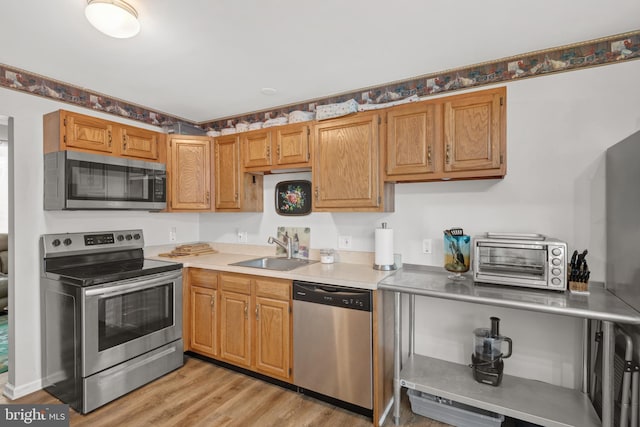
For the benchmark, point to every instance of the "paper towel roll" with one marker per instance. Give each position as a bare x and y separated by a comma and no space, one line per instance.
384,247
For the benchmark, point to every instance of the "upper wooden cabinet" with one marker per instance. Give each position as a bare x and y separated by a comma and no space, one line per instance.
413,139
276,147
346,165
64,130
456,137
189,173
235,190
139,143
227,172
475,133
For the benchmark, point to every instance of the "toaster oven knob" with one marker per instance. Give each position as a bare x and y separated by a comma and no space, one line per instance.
120,237
556,271
136,236
555,281
556,261
56,243
66,241
556,251
129,237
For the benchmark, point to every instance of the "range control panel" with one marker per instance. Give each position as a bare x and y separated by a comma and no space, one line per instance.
336,296
67,243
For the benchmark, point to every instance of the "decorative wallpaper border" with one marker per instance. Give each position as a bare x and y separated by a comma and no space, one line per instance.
606,50
35,84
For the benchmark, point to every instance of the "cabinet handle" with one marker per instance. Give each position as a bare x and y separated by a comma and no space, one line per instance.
208,196
124,142
258,312
448,154
235,196
429,155
316,192
246,311
268,151
278,150
213,303
109,132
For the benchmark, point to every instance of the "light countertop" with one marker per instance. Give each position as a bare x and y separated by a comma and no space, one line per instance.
355,275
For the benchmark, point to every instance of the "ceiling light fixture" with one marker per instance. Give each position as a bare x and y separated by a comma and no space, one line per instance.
115,18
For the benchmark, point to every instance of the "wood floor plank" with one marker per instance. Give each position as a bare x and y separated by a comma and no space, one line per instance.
201,394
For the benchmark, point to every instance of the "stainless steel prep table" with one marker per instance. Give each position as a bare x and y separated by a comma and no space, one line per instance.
529,400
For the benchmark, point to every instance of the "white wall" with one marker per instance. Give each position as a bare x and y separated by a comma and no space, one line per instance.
558,128
30,221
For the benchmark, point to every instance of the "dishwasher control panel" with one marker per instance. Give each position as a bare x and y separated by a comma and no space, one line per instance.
336,296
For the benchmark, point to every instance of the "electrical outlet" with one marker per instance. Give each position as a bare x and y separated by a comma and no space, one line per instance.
242,237
344,242
172,234
426,246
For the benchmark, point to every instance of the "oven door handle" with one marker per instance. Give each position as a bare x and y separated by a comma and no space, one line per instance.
137,286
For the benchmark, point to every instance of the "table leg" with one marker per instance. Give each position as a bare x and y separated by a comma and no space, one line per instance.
586,355
412,323
608,349
396,356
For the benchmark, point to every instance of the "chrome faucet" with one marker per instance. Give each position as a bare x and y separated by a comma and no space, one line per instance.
286,245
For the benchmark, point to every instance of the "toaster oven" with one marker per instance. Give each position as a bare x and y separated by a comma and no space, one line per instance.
528,260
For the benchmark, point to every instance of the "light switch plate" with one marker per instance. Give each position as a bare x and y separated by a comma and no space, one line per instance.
427,246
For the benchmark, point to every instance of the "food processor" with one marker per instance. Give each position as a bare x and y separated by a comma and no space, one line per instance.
487,357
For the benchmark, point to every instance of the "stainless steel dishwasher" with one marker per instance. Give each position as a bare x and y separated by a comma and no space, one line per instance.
332,343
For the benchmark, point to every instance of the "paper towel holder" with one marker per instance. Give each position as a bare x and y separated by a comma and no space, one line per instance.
385,267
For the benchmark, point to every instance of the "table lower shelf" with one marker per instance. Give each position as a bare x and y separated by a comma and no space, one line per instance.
520,398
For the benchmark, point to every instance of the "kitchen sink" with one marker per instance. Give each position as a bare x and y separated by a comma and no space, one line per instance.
274,263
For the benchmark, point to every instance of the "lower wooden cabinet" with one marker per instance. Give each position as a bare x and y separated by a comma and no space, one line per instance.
235,321
204,336
242,320
200,311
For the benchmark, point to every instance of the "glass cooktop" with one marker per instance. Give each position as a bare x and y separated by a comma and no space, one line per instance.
99,273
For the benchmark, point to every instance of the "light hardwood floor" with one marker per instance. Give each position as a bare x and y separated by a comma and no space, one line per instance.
203,394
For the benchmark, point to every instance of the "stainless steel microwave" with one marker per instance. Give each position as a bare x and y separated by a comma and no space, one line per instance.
528,260
77,181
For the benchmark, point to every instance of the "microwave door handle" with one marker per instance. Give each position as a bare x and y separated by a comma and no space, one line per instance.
128,287
510,245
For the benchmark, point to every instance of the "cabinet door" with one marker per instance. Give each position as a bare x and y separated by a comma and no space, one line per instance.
345,172
88,133
273,340
473,131
292,145
139,143
227,172
190,173
234,328
256,148
412,139
204,324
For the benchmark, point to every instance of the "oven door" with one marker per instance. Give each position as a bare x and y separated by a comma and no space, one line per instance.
520,264
125,319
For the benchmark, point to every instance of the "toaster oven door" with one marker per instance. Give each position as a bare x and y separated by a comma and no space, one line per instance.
511,264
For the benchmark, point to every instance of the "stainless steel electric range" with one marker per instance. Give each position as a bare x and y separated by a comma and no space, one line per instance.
111,319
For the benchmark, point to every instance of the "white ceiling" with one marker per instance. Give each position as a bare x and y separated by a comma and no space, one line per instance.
208,59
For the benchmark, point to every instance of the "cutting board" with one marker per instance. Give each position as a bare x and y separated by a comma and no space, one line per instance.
192,249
